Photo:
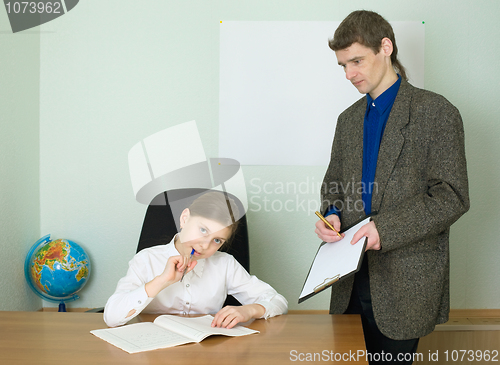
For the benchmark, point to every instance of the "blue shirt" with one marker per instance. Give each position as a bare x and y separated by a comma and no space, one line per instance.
376,116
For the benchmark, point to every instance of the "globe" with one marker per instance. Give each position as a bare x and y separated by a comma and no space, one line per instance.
57,270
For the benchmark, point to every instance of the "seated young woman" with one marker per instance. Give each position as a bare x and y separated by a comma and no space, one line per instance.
153,281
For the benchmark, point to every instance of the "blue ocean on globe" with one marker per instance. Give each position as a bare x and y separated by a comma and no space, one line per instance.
57,270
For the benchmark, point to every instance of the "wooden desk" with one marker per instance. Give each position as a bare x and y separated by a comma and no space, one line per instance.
51,338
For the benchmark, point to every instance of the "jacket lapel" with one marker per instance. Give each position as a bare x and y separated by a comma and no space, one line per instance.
392,142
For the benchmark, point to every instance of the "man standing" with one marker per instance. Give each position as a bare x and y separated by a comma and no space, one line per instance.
404,149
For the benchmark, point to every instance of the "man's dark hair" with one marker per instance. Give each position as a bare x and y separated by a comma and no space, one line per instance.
368,29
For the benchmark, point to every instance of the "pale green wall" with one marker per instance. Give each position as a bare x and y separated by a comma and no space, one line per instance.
116,71
19,162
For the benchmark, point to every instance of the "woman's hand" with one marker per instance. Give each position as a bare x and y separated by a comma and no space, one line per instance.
229,316
174,269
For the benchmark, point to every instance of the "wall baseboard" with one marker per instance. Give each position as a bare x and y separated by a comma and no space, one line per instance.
55,309
308,311
474,313
463,313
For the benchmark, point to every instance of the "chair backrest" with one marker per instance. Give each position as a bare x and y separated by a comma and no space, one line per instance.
159,227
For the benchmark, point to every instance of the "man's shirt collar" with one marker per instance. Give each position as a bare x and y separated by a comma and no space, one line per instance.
384,100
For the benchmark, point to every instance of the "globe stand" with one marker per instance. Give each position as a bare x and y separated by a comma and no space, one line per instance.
62,307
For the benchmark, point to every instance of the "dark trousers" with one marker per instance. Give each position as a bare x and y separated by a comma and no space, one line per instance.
380,348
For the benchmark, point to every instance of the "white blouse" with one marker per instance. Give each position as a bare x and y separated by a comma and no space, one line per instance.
203,290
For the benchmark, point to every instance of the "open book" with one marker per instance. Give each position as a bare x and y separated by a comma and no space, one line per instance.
165,331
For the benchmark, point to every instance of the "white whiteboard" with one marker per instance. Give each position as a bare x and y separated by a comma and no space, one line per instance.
281,89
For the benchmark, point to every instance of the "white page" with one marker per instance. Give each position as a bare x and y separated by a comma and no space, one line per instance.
332,259
198,328
139,337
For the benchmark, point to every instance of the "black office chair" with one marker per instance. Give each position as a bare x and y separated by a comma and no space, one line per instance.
159,226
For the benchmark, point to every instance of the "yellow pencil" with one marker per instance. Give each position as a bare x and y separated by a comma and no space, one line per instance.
328,223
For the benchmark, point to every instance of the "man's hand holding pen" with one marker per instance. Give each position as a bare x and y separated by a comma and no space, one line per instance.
325,233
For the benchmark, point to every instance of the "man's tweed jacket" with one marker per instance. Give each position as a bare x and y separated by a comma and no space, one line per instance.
420,190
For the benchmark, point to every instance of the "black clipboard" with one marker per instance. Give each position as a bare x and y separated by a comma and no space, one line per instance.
325,276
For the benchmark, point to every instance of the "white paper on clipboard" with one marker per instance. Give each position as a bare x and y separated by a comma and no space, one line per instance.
333,261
